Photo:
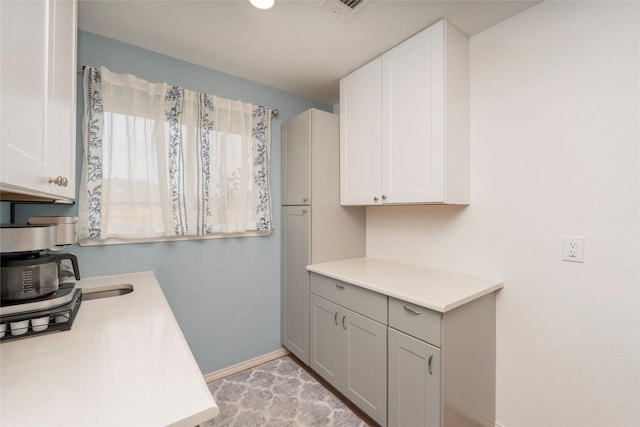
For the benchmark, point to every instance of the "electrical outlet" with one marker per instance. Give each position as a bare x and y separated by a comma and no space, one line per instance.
573,248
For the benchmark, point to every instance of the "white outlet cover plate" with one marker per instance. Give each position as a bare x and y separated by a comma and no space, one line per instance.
573,248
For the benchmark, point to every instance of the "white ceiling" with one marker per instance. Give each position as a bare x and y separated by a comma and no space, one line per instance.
297,46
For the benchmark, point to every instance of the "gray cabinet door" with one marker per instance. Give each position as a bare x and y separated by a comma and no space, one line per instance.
364,364
414,382
326,335
296,160
295,280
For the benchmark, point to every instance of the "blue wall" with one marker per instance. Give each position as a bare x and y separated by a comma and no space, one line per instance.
225,293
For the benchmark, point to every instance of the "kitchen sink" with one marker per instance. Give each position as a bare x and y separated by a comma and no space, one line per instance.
106,291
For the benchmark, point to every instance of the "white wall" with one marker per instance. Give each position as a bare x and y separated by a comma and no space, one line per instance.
555,151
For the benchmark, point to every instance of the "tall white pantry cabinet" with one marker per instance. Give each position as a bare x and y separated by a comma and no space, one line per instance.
315,228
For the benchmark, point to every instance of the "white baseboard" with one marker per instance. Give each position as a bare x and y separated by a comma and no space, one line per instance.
243,366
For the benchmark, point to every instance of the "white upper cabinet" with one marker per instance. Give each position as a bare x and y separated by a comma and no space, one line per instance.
404,123
38,98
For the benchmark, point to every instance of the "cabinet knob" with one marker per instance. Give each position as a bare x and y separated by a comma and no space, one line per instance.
343,325
429,366
60,181
339,286
304,199
375,198
384,197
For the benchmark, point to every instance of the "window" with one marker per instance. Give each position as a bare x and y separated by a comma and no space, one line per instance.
165,162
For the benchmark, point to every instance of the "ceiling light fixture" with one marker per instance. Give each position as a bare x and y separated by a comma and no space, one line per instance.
262,4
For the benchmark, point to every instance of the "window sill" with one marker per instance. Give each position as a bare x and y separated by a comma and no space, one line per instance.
105,242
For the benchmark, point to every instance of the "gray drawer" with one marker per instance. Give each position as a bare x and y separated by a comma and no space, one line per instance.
368,303
415,320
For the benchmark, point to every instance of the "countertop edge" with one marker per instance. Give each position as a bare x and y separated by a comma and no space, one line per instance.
492,285
112,277
197,419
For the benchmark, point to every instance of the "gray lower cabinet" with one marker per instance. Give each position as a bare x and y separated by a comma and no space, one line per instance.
414,381
364,362
349,350
326,340
442,365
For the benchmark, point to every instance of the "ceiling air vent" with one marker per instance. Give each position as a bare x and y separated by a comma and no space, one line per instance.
345,9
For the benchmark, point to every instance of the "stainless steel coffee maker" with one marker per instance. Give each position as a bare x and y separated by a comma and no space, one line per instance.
35,293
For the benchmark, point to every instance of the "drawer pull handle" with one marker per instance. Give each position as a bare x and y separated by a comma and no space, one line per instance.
429,365
335,317
343,325
411,310
339,286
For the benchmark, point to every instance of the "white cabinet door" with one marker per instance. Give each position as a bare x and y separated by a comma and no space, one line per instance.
26,67
296,160
413,119
364,364
37,96
414,382
62,123
326,340
296,226
360,133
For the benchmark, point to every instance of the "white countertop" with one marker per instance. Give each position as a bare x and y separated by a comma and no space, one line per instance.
124,362
434,289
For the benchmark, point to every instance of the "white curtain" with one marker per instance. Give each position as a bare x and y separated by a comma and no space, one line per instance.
163,161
